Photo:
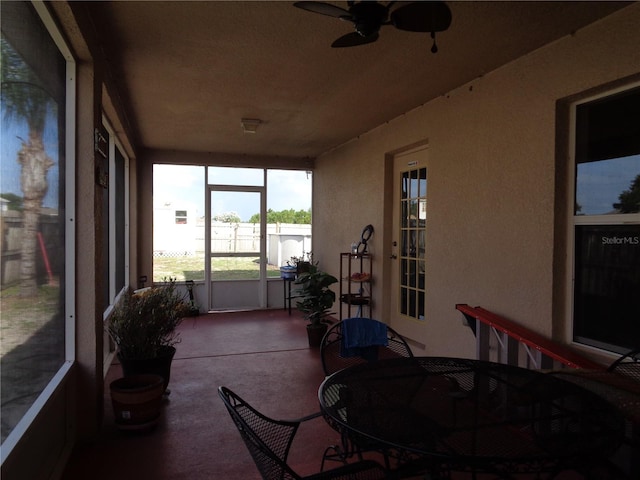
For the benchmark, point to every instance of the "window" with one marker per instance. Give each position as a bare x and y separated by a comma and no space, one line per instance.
37,192
119,225
181,217
115,167
178,222
606,222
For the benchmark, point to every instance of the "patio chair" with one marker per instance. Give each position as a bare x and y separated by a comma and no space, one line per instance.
269,440
336,355
627,365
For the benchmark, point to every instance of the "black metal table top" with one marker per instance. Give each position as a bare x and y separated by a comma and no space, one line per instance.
470,412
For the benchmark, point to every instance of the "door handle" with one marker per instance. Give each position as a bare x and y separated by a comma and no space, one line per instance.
393,256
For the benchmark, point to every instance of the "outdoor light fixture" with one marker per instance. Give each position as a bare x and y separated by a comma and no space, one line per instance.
250,125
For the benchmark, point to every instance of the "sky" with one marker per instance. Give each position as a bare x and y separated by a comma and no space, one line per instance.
182,187
599,184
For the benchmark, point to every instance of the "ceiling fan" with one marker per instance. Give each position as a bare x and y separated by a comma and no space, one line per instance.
368,16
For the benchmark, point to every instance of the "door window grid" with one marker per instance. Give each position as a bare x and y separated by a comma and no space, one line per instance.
413,207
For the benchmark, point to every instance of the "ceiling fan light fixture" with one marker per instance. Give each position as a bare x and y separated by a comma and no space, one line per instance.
250,125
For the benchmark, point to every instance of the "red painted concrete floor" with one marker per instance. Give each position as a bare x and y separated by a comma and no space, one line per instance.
265,358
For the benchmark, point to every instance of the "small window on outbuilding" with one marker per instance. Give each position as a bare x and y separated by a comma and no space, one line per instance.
181,217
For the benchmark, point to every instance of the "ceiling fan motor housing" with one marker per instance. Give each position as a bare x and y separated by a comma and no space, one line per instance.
368,17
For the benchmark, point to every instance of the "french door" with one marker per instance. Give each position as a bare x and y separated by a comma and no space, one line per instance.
408,260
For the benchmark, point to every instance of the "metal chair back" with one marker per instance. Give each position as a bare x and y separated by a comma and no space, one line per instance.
331,347
268,440
628,365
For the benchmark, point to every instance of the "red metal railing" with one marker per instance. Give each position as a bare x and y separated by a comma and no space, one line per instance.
504,341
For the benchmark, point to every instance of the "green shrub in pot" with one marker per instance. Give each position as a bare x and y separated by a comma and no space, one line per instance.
315,298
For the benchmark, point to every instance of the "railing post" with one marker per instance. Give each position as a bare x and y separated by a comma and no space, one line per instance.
483,332
511,356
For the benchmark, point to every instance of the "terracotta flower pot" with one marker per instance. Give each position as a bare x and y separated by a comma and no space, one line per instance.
137,401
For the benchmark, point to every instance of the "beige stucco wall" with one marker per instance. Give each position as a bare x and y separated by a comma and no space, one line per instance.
491,184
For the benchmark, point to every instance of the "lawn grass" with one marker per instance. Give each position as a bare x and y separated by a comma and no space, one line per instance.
191,267
22,318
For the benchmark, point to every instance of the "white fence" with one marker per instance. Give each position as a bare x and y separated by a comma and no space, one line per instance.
284,240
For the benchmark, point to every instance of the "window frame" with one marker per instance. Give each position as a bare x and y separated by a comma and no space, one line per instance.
574,220
115,144
58,378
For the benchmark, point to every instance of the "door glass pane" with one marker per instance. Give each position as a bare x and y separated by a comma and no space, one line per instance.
235,242
422,183
404,187
412,273
413,188
421,243
405,214
235,268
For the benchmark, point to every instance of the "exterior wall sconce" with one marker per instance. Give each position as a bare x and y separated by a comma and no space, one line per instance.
250,125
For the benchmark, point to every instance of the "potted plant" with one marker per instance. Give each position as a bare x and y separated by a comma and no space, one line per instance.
143,327
303,263
315,300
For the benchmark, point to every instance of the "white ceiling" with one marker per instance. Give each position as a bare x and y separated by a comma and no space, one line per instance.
189,71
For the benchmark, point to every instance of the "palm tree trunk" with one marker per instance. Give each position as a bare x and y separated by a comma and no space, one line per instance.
35,164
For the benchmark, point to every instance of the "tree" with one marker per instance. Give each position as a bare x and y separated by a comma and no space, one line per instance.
630,199
15,201
25,99
300,217
227,217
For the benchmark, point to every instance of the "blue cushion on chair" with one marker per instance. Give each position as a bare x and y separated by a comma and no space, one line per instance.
361,337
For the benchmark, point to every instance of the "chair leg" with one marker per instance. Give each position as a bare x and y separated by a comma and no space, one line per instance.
338,455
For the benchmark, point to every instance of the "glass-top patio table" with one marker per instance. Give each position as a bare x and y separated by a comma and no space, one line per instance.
460,414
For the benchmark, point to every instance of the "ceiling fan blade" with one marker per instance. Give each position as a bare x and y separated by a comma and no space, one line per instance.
324,9
422,17
354,39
